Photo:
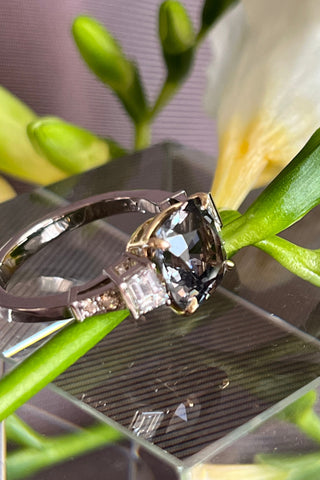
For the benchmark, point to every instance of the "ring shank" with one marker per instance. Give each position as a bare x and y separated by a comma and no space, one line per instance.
68,218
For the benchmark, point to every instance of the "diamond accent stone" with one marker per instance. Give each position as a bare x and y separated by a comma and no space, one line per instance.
125,265
143,291
109,301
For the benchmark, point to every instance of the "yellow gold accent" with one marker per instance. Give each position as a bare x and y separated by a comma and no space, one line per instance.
192,306
155,242
204,198
140,239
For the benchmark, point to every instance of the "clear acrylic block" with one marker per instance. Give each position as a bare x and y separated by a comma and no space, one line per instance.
183,389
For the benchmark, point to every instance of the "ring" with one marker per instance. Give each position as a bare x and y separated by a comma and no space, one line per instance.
175,258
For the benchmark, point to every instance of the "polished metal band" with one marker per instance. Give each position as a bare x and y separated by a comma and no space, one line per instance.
174,258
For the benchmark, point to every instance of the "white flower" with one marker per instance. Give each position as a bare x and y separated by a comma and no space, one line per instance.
264,90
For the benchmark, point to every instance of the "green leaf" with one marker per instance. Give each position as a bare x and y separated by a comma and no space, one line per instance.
45,364
67,146
292,194
105,58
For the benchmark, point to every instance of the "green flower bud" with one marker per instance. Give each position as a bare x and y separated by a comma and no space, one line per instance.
102,53
66,146
106,59
17,156
178,40
175,28
6,191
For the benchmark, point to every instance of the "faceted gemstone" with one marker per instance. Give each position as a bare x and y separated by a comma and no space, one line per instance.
193,263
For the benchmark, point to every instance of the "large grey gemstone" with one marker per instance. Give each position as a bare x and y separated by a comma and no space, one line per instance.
193,264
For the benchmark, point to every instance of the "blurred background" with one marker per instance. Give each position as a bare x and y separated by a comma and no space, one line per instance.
41,65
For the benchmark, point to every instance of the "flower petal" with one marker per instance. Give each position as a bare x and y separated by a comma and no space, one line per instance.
270,98
6,191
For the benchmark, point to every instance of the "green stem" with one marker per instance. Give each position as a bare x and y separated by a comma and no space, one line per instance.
303,262
169,88
142,135
58,449
19,432
200,36
45,364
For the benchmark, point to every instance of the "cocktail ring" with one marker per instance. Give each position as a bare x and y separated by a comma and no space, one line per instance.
174,258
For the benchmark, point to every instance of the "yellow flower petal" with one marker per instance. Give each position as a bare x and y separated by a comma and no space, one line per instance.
6,191
250,156
238,472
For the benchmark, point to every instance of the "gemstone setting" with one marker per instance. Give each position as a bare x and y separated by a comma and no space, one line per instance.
143,291
176,258
194,262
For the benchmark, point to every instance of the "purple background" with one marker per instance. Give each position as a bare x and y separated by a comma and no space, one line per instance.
40,64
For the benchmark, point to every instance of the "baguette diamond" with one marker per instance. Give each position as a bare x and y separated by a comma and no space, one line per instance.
143,291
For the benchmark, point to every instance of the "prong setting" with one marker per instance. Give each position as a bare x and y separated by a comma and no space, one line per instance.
170,239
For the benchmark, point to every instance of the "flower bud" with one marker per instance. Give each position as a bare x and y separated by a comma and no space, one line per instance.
102,53
175,28
17,156
105,58
66,146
